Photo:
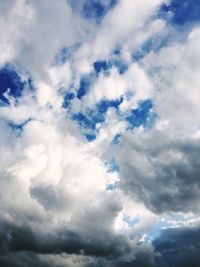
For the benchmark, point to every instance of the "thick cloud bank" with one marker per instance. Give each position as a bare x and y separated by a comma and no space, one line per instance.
99,133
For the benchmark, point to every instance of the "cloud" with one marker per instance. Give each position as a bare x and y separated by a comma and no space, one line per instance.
99,143
157,163
179,247
168,154
136,16
15,22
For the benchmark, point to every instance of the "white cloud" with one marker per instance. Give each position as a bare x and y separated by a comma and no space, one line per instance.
134,82
124,20
175,72
16,18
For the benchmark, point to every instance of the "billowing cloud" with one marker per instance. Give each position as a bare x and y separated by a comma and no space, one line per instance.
99,143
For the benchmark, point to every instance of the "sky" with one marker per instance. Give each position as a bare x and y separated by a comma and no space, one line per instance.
99,133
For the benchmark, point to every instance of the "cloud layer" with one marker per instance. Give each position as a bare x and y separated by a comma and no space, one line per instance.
100,133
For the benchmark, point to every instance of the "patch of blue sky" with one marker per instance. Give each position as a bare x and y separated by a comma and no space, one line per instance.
65,53
69,96
143,115
29,84
131,221
10,79
87,123
88,80
117,51
18,127
120,65
155,230
90,136
118,61
105,65
112,187
85,84
89,119
152,44
112,166
151,120
83,121
183,12
102,66
116,139
104,105
93,10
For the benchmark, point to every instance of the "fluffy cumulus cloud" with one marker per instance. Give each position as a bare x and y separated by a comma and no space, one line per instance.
100,133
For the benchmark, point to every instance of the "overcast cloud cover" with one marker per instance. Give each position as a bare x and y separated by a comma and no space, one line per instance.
99,133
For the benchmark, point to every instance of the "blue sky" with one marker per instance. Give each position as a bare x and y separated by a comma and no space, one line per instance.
99,123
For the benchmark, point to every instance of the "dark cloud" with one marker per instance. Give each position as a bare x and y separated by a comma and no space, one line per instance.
22,259
178,247
162,173
50,197
22,246
23,238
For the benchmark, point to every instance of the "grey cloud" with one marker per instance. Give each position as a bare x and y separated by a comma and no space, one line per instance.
22,245
162,173
178,247
23,259
23,238
50,197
